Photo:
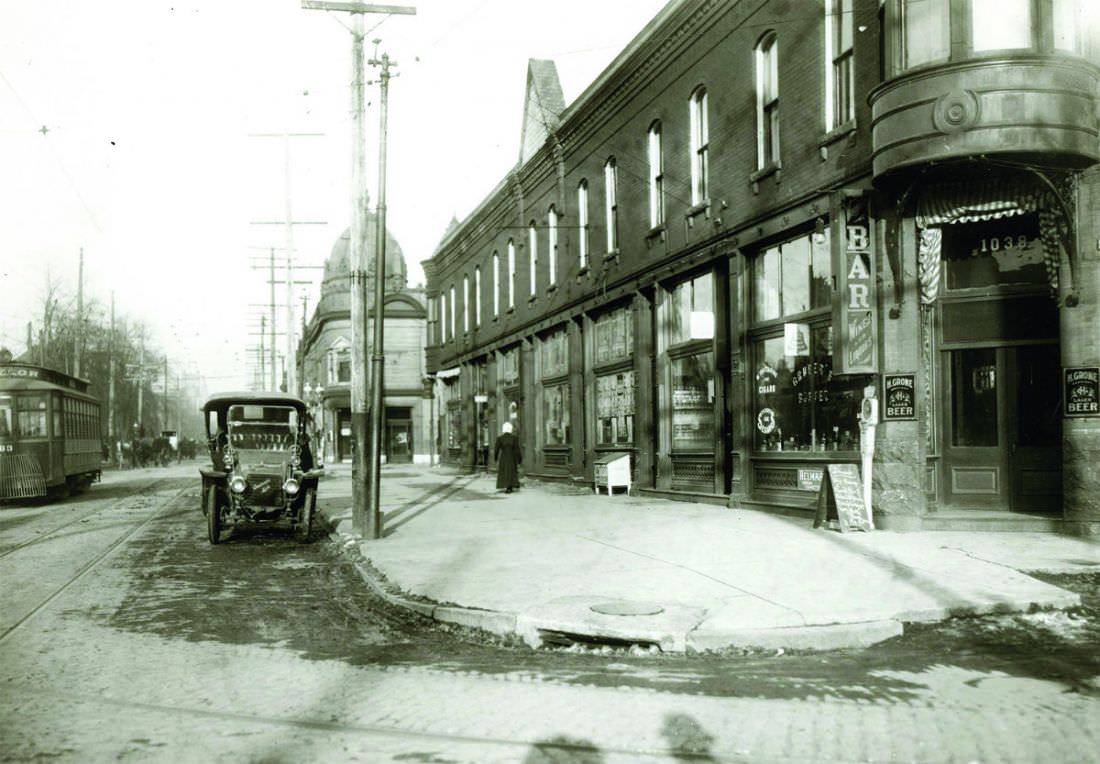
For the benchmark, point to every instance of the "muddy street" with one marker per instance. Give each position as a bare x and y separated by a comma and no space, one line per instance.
128,636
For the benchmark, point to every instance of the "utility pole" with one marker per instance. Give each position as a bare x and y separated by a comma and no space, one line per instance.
141,382
111,376
262,370
271,279
374,524
357,257
164,405
78,341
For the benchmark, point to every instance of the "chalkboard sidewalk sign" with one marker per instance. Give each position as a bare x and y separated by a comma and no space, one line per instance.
840,498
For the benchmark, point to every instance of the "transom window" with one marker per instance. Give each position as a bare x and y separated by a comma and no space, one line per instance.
691,310
793,277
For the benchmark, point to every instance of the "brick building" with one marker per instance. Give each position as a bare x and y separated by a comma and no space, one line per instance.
325,356
760,214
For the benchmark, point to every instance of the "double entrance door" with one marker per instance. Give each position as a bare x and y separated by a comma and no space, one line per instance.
1002,433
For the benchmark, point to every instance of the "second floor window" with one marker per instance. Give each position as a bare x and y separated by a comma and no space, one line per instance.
465,303
496,284
767,101
840,104
443,317
611,203
656,177
533,251
511,274
700,142
452,327
552,244
477,295
582,223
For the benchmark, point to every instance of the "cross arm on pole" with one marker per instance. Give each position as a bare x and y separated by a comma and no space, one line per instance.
351,7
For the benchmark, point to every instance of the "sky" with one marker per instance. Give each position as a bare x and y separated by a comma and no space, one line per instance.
150,134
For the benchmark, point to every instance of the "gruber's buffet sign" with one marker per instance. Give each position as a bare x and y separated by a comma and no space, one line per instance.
858,320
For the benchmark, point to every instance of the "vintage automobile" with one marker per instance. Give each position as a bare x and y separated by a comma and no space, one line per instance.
263,469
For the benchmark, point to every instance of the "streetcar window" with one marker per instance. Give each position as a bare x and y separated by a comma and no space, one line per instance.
57,433
5,417
32,416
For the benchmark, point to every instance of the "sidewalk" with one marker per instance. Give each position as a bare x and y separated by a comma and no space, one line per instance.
554,560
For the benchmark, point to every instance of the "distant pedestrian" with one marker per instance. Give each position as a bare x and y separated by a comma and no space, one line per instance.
508,457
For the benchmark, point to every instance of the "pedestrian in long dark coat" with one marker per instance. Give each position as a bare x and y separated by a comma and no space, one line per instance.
508,457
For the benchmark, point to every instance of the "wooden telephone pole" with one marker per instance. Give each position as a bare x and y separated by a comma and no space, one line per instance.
363,521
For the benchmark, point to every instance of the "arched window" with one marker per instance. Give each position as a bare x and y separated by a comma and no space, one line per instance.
511,274
496,284
767,101
656,177
611,203
452,328
466,303
477,295
552,244
533,253
443,317
582,223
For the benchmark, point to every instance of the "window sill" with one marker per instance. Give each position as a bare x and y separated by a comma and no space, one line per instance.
551,288
656,232
697,209
772,168
511,309
583,271
612,255
532,298
837,133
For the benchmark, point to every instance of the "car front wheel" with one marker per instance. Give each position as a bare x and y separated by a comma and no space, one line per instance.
213,515
305,515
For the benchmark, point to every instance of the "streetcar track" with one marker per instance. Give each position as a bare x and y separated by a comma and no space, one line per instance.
88,566
564,745
141,493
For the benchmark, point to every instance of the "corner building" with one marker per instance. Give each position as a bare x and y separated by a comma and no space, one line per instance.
760,212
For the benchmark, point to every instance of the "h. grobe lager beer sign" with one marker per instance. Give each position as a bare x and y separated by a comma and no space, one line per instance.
899,399
1082,391
858,320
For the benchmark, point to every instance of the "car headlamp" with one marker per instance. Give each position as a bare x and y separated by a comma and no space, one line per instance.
295,456
290,487
227,459
237,484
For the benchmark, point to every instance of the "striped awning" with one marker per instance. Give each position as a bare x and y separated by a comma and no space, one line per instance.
974,201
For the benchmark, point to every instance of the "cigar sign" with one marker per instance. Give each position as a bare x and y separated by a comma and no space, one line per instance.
1082,391
858,318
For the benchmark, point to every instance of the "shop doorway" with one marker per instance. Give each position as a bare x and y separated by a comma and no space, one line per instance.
343,435
398,442
1002,431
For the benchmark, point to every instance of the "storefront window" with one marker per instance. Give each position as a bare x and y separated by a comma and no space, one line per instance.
509,367
615,408
691,310
555,358
793,277
800,405
925,32
1000,24
32,416
614,336
555,414
693,402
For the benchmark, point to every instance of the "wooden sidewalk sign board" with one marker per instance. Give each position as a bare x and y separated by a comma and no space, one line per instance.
840,498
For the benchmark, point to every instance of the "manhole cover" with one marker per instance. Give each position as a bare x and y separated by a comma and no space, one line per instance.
623,607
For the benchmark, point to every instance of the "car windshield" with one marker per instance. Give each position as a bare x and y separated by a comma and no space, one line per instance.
264,428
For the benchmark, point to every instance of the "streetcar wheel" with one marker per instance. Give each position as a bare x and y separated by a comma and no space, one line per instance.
305,515
213,515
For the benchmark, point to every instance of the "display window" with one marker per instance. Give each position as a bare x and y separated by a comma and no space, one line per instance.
615,408
555,414
693,402
799,405
555,356
691,310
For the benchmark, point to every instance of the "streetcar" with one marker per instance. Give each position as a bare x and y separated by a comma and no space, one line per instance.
50,440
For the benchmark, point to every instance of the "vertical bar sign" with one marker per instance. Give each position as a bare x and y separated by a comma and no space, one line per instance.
858,312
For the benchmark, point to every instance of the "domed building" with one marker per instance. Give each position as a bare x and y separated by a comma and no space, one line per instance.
325,356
